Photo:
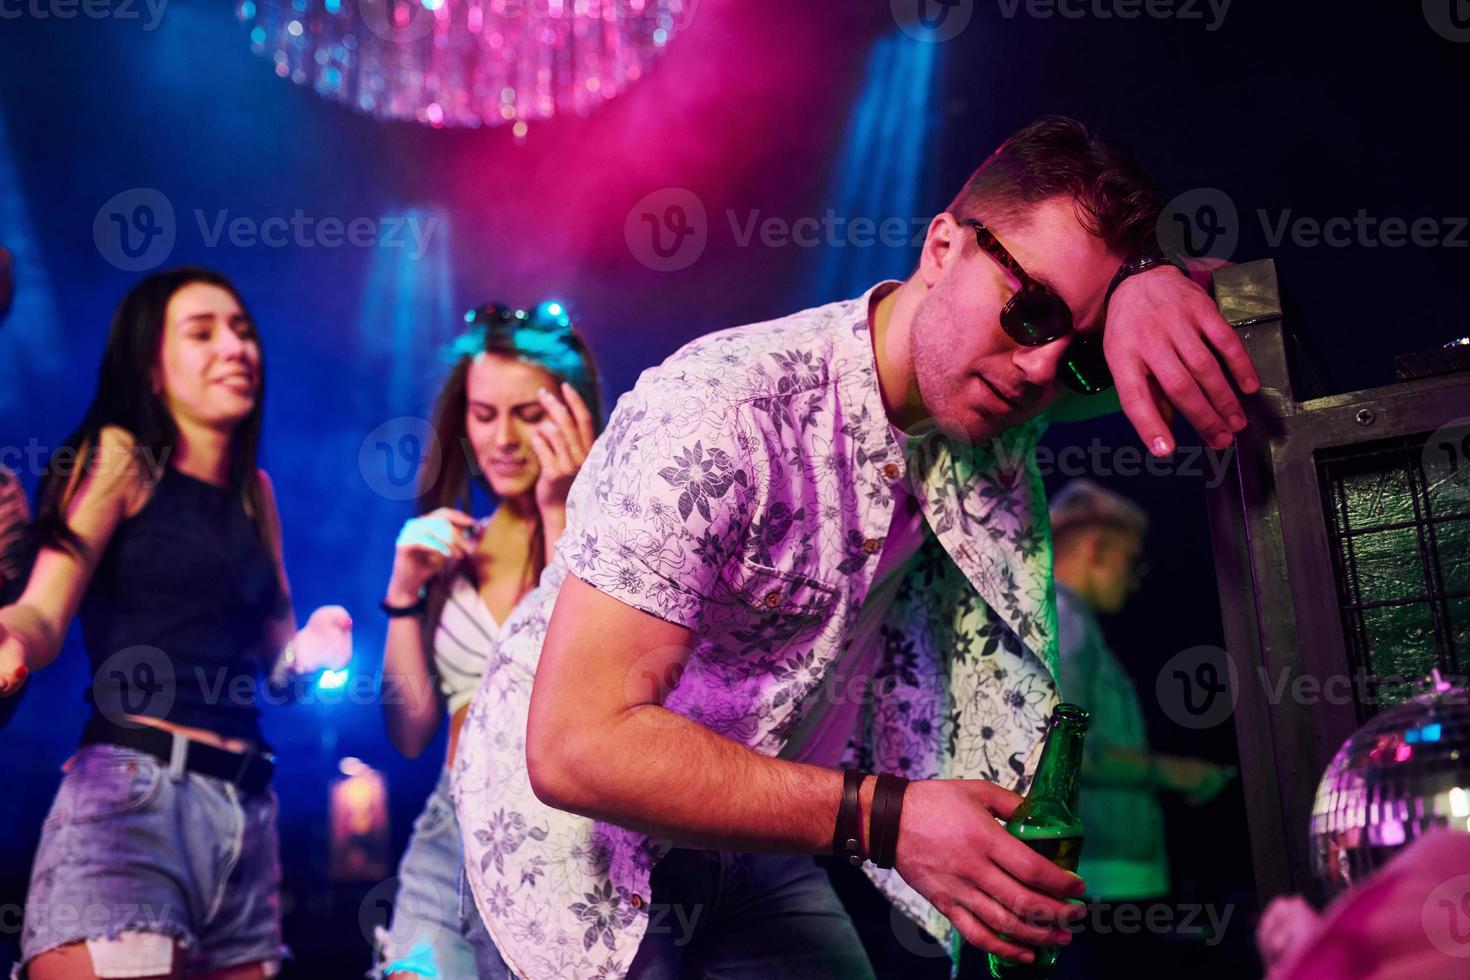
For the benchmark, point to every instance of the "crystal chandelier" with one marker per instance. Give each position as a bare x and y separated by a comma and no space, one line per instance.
464,62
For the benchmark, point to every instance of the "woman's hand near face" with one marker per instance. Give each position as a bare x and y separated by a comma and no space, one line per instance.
425,545
561,442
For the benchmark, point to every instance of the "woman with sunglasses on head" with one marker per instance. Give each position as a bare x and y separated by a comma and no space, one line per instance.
516,416
156,528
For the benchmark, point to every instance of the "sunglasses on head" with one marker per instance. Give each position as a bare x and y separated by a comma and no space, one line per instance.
500,320
1035,316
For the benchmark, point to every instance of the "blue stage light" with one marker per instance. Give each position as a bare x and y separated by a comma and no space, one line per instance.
331,680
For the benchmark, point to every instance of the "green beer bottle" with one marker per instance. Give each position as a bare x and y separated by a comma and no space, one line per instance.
1047,821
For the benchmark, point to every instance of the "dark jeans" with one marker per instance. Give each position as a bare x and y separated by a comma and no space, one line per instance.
736,917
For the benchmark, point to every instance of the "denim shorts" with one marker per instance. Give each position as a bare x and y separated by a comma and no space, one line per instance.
426,934
130,846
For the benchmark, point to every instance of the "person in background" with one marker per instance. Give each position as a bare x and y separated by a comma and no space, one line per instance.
15,522
15,527
15,514
515,417
157,530
1098,540
15,511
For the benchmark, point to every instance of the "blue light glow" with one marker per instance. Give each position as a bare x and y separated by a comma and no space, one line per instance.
877,188
331,680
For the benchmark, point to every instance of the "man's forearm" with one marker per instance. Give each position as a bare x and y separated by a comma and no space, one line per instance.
661,774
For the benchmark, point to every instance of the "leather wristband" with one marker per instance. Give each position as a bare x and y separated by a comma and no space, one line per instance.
847,834
884,821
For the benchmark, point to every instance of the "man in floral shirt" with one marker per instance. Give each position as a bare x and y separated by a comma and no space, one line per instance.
814,543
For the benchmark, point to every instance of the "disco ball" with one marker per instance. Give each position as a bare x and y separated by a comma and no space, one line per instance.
1406,771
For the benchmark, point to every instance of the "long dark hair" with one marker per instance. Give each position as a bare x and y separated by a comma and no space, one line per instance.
125,398
543,337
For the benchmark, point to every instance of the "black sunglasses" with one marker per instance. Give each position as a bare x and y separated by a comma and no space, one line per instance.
1035,316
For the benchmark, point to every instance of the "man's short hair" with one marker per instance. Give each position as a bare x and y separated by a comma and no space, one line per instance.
1083,505
1057,157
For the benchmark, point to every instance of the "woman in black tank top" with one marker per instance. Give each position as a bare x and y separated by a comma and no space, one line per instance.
156,527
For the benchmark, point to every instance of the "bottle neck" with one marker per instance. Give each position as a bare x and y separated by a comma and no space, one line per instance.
1061,761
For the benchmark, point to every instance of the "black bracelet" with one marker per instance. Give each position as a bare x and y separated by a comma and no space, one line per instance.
883,826
877,823
398,612
847,834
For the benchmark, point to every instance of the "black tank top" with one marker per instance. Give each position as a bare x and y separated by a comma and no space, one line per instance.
175,615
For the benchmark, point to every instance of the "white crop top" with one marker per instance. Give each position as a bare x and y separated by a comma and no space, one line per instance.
466,637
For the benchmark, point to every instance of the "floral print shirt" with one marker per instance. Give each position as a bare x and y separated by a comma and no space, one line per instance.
743,490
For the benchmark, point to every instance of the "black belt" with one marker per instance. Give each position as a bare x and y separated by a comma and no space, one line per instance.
251,771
